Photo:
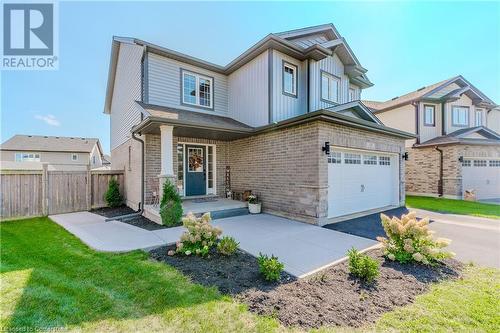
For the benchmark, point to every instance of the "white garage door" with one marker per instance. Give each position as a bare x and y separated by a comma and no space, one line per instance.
360,181
482,176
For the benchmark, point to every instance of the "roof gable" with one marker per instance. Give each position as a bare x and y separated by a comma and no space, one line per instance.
355,109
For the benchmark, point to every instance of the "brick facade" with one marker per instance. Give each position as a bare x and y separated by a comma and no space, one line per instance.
422,168
286,168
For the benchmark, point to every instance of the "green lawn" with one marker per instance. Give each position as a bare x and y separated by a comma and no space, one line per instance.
49,279
454,206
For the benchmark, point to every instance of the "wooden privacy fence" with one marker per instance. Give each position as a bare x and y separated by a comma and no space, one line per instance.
41,192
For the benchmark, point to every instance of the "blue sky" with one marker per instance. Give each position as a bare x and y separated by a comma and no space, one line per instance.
404,46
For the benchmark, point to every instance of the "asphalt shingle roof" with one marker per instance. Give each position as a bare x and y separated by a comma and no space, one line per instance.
49,143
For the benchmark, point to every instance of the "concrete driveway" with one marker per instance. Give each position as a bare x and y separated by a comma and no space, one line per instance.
474,239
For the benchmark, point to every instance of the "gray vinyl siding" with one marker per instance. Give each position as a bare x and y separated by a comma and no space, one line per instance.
332,65
308,41
125,112
248,92
285,106
164,88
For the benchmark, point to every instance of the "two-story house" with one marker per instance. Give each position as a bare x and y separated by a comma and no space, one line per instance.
283,120
457,145
60,153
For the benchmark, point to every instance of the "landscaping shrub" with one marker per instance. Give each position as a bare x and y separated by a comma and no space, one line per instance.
227,246
200,236
112,196
410,240
363,266
270,268
170,205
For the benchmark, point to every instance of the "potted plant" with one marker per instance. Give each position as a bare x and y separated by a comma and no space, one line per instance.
254,205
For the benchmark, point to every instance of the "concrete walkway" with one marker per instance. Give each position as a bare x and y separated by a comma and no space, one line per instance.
303,248
113,236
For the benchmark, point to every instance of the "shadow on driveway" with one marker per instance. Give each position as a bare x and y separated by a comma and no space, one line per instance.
367,226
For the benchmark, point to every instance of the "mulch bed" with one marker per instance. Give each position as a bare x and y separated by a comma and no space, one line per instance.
329,298
232,275
139,221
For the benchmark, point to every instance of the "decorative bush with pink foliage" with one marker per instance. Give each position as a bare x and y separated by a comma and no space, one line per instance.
200,236
410,240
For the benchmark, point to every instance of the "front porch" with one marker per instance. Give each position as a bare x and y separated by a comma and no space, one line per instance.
216,206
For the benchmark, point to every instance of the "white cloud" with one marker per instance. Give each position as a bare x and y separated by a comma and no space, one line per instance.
49,119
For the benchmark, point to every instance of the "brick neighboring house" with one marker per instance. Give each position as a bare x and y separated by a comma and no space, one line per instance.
457,145
283,120
60,153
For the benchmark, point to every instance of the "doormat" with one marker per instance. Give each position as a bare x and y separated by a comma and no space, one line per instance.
202,200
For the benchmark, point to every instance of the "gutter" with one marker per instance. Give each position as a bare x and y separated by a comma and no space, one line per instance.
440,181
141,204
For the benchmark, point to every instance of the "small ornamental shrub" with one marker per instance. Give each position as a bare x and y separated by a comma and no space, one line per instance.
170,205
200,236
363,266
252,199
270,268
410,240
112,196
227,246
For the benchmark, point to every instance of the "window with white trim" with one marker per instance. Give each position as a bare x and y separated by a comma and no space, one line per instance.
479,117
480,163
494,163
460,116
330,87
289,79
429,115
384,160
370,159
335,157
352,94
27,157
94,160
74,157
197,89
467,163
352,158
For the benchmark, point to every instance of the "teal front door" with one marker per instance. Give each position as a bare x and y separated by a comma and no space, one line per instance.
196,170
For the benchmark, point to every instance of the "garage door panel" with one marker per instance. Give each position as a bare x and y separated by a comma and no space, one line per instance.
482,176
359,187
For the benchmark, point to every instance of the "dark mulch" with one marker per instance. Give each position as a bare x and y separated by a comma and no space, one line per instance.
334,298
139,221
231,274
329,298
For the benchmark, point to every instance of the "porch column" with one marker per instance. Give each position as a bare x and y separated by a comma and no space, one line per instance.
167,155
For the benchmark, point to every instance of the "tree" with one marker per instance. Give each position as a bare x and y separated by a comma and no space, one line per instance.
170,205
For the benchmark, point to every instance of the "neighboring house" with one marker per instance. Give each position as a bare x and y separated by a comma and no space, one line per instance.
61,153
261,123
457,145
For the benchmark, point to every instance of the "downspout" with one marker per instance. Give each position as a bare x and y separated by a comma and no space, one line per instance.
440,181
141,204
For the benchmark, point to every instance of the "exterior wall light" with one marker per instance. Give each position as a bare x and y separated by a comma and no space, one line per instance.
461,159
326,148
405,156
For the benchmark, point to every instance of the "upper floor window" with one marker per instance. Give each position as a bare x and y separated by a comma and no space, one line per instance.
197,90
460,116
352,94
74,157
94,160
429,115
479,117
289,79
27,157
330,87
